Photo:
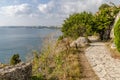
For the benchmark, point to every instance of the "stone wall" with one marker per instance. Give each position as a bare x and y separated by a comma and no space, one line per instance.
21,71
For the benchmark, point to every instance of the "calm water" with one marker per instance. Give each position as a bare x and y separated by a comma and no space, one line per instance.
22,41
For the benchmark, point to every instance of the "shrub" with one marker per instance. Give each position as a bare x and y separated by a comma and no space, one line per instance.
78,24
60,38
57,61
15,59
117,35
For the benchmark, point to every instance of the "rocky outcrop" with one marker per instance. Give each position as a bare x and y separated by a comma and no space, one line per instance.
80,42
21,71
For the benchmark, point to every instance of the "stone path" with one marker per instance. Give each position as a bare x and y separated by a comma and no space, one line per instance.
102,63
87,72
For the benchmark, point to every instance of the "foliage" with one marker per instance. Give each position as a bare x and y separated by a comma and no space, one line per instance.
60,37
84,23
103,6
15,59
104,19
78,24
117,35
56,62
59,61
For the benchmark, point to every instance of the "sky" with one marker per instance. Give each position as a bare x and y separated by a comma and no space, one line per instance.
44,12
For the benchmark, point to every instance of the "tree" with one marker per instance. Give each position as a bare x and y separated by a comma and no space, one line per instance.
103,6
15,59
117,35
84,23
104,20
78,24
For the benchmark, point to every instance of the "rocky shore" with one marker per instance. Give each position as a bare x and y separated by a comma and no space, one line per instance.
21,71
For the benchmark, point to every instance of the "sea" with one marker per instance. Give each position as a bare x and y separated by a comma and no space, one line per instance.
23,41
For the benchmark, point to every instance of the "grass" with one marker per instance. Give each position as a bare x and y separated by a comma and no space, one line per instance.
57,61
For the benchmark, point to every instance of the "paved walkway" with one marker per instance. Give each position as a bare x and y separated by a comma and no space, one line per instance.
87,72
102,63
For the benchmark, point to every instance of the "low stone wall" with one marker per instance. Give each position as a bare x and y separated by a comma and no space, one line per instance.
21,71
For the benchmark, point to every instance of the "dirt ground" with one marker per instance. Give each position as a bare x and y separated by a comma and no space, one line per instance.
86,71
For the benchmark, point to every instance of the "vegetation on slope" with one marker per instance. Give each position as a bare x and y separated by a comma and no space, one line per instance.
56,62
59,61
78,24
85,23
15,59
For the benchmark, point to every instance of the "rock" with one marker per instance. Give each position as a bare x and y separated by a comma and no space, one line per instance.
112,33
117,78
113,74
102,79
93,38
113,46
80,42
102,73
98,69
22,71
108,77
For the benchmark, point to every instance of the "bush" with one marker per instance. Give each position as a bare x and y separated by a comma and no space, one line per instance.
15,59
117,35
78,24
60,38
57,61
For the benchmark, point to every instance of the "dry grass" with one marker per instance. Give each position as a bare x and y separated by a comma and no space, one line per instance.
57,61
113,52
2,65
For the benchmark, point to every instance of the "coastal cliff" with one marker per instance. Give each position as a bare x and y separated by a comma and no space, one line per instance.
21,71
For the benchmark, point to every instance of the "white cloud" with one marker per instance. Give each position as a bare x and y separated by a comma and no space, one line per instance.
46,8
49,12
72,6
63,8
16,10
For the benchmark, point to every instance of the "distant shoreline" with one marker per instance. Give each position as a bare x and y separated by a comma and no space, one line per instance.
38,27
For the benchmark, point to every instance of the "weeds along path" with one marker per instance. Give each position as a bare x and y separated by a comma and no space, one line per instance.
87,72
102,63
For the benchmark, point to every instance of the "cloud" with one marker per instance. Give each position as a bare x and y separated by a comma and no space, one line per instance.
35,1
62,8
72,6
46,8
57,10
53,8
45,12
16,10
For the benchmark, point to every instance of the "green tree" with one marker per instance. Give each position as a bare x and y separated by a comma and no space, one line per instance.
104,19
84,23
117,35
103,6
15,59
78,24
